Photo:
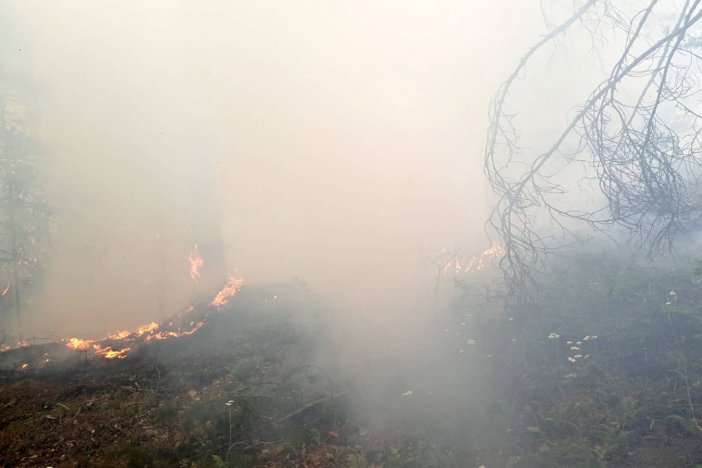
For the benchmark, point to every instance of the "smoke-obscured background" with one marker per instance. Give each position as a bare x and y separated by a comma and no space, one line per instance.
335,142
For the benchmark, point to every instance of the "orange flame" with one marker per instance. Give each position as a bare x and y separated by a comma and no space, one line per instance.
140,330
196,262
228,291
163,335
148,332
119,335
148,328
110,353
79,345
477,262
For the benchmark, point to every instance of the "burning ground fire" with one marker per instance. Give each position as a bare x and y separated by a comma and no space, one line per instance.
229,291
119,345
154,331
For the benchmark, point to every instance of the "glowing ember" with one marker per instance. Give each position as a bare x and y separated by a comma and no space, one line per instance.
228,291
476,262
25,365
79,345
20,344
196,262
6,290
494,251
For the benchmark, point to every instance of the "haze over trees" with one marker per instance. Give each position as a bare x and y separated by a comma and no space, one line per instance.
24,218
634,139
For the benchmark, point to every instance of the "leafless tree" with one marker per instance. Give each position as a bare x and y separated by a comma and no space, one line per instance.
24,216
637,133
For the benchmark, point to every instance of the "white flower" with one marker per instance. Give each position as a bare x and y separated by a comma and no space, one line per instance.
553,336
408,393
578,356
229,403
574,348
587,338
570,359
569,342
672,293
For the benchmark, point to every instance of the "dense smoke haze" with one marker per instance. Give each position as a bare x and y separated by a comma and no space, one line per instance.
339,143
387,233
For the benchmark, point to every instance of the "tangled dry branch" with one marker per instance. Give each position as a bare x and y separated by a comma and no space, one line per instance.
637,133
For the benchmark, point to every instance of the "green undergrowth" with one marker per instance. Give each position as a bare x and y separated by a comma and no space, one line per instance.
606,370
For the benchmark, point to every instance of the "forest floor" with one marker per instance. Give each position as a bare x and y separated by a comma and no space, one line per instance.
246,389
239,392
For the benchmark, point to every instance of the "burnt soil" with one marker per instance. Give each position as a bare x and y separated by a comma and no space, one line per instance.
240,392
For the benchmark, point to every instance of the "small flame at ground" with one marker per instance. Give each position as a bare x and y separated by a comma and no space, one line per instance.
196,262
110,353
148,332
79,345
119,335
228,291
163,335
475,262
148,328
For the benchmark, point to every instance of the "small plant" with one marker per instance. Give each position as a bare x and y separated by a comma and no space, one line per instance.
229,406
218,462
